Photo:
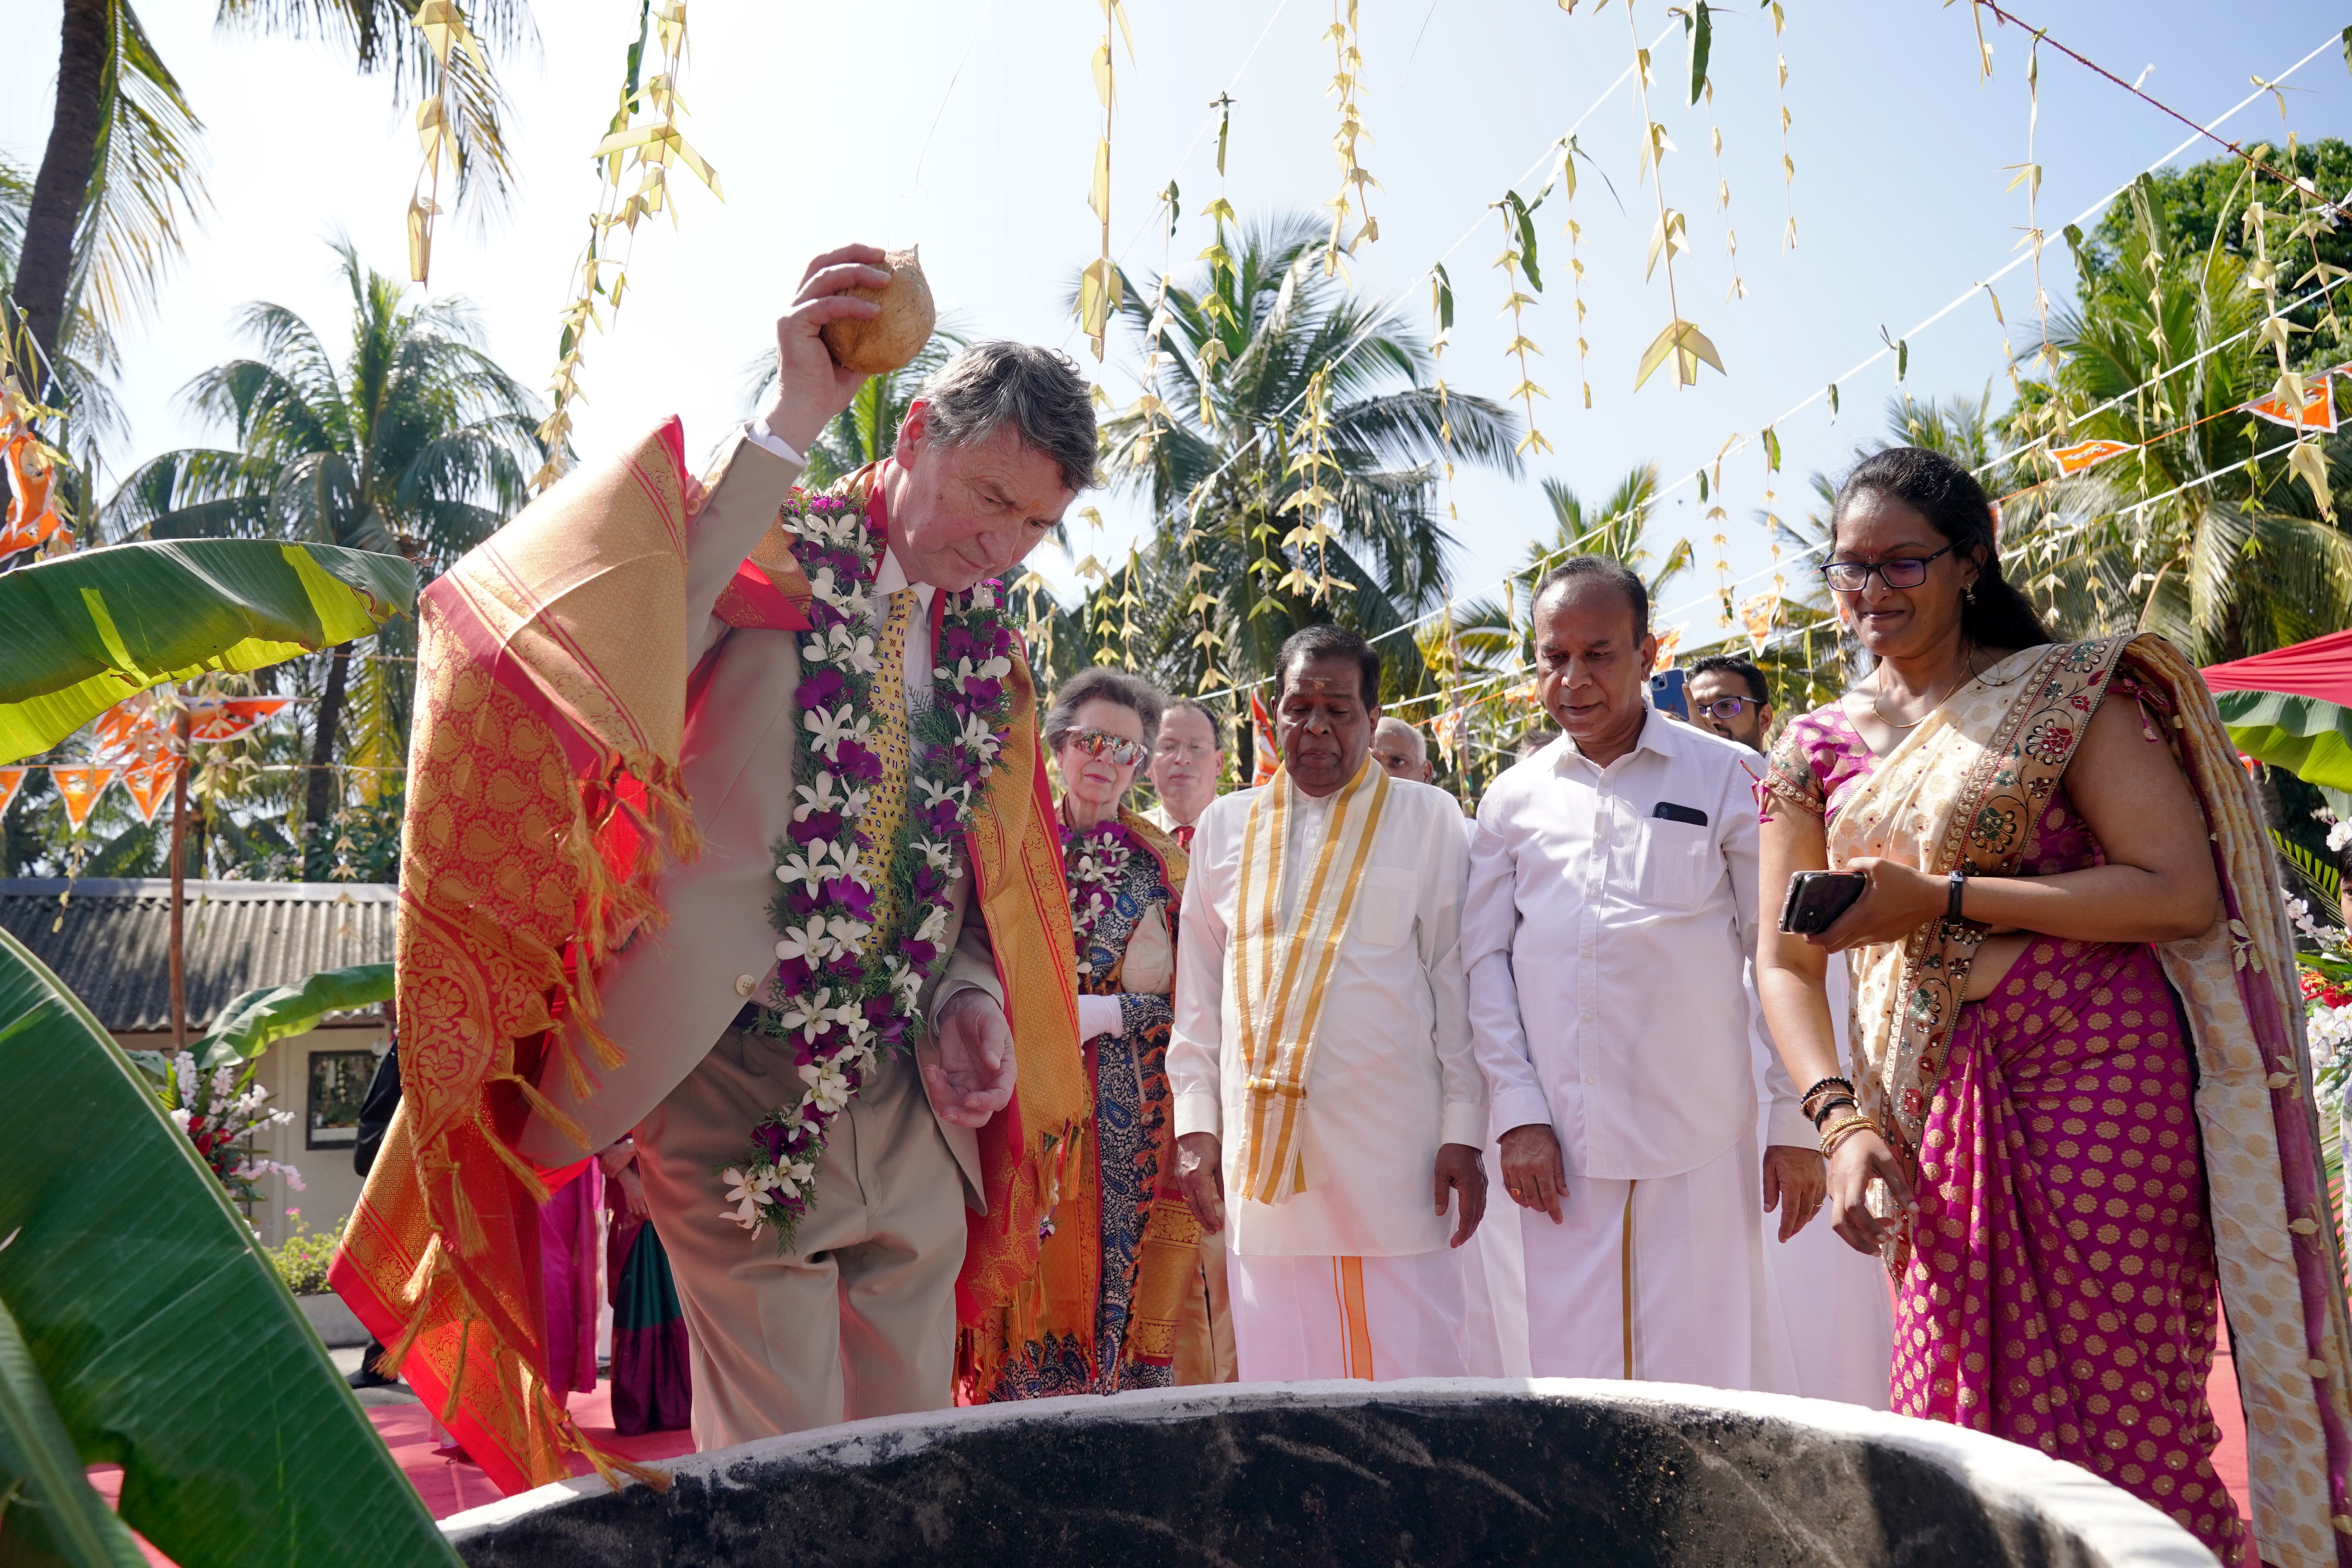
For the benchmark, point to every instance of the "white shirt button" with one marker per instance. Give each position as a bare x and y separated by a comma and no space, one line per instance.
745,984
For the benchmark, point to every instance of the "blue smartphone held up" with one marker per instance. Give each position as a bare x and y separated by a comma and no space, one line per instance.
1667,694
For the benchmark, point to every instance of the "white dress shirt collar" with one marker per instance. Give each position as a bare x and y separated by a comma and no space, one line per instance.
1651,737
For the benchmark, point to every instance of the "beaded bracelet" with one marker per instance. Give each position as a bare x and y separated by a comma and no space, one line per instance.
1815,1104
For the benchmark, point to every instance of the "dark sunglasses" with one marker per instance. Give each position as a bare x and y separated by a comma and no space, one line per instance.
1903,572
1123,752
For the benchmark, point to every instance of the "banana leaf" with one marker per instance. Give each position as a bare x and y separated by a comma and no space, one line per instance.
85,631
2309,738
49,1514
166,1342
247,1025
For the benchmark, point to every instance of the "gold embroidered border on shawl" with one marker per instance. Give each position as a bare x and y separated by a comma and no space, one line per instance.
1280,969
1168,1259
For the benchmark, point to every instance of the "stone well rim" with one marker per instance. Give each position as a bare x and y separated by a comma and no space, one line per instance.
2123,1530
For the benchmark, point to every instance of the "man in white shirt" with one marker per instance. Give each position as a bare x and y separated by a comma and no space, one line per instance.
1321,1063
1607,932
1187,761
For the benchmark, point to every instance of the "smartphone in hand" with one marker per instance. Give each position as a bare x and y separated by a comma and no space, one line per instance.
1816,898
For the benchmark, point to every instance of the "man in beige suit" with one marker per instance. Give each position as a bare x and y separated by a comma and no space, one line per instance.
858,1317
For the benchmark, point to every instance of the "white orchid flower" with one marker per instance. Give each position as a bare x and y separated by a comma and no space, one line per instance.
934,926
854,803
800,1173
856,652
809,939
828,1089
824,796
181,1115
831,726
744,1196
938,856
846,935
810,1011
809,869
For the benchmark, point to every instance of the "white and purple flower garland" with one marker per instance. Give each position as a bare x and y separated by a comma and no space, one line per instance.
836,1000
1095,862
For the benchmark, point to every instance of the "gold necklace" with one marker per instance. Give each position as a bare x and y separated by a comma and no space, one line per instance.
1880,714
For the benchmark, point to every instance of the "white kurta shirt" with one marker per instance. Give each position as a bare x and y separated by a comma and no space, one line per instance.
1392,1075
1607,949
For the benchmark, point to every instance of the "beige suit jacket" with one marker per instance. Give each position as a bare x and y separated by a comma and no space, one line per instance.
670,992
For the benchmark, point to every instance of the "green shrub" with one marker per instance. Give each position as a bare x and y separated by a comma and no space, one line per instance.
302,1261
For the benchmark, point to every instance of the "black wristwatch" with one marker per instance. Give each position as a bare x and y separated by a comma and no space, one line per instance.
1958,879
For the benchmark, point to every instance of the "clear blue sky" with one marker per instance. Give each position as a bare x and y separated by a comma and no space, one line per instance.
970,128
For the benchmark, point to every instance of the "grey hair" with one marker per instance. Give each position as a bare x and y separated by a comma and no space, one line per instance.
1036,392
1411,732
1130,692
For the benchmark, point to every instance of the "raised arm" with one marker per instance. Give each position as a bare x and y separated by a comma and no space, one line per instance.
754,476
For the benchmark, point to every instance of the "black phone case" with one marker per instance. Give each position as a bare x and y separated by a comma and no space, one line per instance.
1816,898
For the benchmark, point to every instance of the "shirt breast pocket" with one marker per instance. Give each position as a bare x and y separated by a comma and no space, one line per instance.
1678,864
1384,912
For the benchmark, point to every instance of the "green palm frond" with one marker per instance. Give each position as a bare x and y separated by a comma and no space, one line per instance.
146,190
377,37
2321,880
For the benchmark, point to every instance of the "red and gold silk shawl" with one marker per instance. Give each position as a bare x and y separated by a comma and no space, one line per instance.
544,796
1967,788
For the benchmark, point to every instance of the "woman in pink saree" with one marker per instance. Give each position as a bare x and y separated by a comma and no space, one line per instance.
2080,1098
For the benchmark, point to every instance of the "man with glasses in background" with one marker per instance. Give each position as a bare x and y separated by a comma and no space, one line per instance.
1728,696
1187,765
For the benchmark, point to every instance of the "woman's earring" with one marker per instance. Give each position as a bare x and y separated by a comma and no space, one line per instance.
1970,593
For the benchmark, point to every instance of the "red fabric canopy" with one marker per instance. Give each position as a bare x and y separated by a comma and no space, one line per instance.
2321,667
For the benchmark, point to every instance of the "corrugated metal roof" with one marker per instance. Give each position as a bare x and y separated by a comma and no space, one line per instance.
110,938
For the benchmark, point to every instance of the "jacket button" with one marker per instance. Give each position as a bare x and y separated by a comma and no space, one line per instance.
745,984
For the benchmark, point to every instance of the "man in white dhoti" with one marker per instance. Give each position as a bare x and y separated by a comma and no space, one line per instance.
1328,1105
1607,932
1829,1316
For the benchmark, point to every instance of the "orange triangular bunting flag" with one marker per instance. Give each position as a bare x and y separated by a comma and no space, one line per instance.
2318,412
228,721
1269,755
80,788
2087,454
10,781
149,786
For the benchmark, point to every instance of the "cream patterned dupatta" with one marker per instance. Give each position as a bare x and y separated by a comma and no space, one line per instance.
1967,786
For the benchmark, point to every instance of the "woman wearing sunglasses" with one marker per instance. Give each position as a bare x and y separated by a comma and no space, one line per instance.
2080,1096
1126,880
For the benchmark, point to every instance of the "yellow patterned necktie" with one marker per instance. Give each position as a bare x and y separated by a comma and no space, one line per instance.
894,742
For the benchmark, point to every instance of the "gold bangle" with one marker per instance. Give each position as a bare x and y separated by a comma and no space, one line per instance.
1843,1128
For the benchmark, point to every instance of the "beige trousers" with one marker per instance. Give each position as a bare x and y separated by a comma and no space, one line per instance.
858,1319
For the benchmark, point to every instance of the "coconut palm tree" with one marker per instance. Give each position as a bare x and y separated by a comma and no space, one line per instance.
1494,634
1273,380
2177,537
117,185
414,443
